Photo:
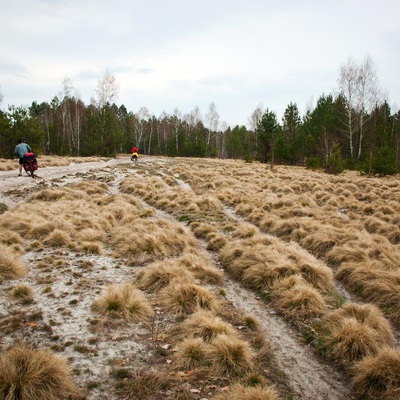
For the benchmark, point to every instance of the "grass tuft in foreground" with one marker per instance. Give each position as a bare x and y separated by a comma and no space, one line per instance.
34,374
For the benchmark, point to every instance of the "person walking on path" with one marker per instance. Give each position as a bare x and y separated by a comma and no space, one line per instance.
20,149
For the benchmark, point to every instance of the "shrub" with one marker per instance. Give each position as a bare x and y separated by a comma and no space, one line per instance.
384,163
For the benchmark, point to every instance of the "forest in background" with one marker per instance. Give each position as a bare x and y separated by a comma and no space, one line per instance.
353,128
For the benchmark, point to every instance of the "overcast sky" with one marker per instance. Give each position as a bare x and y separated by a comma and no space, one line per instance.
168,54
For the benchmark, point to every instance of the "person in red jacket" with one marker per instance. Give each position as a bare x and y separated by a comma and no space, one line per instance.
134,153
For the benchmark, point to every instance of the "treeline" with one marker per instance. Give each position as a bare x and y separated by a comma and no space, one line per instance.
353,129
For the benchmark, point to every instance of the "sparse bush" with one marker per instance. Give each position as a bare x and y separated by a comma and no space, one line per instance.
34,374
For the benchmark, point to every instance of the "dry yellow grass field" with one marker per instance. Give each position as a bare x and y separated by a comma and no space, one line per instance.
145,279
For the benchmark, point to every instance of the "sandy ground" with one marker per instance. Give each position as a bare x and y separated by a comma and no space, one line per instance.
309,376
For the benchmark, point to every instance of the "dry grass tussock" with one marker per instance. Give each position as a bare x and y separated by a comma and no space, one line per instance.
201,267
295,298
22,293
159,274
126,301
240,392
34,374
262,260
205,325
187,298
230,356
11,266
353,332
375,285
378,376
156,237
191,353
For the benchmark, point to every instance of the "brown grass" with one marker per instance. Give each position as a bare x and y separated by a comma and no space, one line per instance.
240,392
205,325
160,273
11,266
125,301
34,374
230,356
141,384
354,332
22,293
295,298
191,353
186,298
378,376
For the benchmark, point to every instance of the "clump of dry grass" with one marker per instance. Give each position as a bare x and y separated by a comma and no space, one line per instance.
186,298
378,376
140,384
240,392
58,238
191,353
201,268
11,266
10,238
295,298
318,276
126,301
375,285
206,325
157,238
34,374
354,332
160,273
230,356
22,293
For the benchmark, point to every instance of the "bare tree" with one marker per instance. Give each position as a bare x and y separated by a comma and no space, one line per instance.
139,125
254,122
212,118
107,89
176,120
348,82
367,95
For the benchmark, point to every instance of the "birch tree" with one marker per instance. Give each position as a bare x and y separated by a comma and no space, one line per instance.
367,96
254,122
348,85
212,118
